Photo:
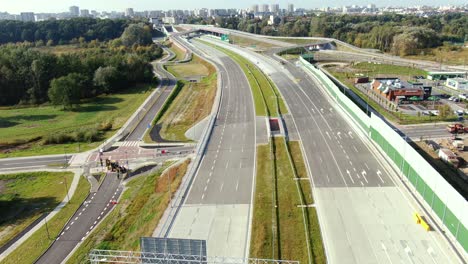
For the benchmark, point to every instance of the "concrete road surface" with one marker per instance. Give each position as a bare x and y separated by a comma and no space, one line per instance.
218,204
365,214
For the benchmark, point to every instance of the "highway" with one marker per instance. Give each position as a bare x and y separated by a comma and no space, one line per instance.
365,216
90,213
218,204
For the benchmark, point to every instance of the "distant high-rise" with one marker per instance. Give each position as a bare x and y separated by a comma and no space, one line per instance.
254,8
274,8
129,12
290,8
27,17
84,12
74,11
263,8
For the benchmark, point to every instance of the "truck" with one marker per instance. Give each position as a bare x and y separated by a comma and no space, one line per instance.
457,129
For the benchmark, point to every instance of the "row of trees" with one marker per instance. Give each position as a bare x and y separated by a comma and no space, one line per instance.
402,34
61,31
34,77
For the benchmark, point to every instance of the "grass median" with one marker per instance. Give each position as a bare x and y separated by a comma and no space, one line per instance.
38,243
190,104
137,214
179,53
24,197
282,232
24,129
264,92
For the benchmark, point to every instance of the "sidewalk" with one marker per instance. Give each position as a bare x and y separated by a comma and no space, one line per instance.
71,192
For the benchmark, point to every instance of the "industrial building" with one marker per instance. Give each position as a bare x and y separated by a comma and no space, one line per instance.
457,83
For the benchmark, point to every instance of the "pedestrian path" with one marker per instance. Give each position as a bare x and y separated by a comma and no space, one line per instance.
128,144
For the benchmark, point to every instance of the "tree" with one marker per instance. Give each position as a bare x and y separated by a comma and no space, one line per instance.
65,91
136,34
107,78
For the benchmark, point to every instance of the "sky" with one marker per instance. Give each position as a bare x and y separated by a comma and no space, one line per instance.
39,6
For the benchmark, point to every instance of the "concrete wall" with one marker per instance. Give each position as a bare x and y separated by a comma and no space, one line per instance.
445,202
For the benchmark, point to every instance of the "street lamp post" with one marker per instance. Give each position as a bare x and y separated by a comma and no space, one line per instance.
47,228
66,187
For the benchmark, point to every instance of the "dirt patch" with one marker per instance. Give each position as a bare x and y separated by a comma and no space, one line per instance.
10,147
3,185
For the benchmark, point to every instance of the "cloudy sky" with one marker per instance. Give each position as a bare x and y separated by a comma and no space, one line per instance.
16,6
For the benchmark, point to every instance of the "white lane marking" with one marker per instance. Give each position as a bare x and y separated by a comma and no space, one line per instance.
355,149
350,134
206,187
87,232
237,186
328,178
349,174
212,167
82,238
76,218
79,213
72,223
338,134
203,196
365,164
208,181
326,132
379,173
68,227
221,188
91,227
102,213
95,222
99,217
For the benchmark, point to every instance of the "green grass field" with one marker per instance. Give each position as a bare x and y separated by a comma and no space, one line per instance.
281,232
249,42
192,104
298,41
387,70
137,213
264,92
33,247
180,54
24,197
21,125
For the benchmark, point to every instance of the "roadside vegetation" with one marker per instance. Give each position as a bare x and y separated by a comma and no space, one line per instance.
37,244
189,102
180,54
24,197
281,228
265,94
249,42
87,83
27,131
347,75
137,214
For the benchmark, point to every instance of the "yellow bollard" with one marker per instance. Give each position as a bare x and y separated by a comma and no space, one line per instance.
417,218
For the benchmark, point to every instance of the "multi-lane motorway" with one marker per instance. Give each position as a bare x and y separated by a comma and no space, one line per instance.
218,204
365,216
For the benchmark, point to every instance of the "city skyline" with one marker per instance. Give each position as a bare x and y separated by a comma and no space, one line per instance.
120,5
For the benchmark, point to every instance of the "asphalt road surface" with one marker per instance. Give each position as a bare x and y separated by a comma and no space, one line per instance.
90,213
33,162
364,216
167,85
218,204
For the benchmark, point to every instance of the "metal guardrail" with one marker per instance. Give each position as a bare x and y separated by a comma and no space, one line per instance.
97,256
188,179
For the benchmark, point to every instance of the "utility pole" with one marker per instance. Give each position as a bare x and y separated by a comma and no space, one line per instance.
66,187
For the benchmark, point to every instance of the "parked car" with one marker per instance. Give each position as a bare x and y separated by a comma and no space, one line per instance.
435,112
463,96
456,100
451,98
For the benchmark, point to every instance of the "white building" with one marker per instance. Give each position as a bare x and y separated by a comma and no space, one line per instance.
274,8
254,9
263,8
27,17
290,8
74,11
129,12
457,83
448,157
84,12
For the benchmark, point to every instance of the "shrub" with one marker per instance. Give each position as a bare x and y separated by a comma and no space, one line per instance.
59,138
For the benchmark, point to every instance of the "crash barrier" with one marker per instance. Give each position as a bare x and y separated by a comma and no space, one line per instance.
182,193
449,206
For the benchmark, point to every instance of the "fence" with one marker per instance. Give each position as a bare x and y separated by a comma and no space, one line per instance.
445,202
